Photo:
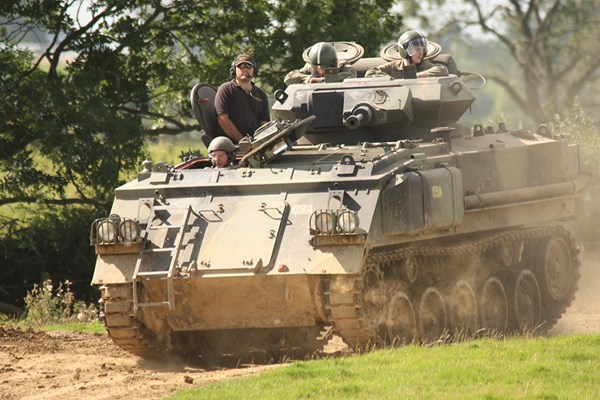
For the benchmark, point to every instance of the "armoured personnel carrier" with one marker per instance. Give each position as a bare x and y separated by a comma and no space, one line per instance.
364,208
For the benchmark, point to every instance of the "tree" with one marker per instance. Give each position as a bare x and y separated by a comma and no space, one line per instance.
103,76
121,71
552,44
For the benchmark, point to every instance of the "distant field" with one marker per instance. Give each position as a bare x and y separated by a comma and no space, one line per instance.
563,367
169,150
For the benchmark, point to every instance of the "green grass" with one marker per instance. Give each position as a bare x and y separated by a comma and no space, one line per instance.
85,327
517,368
24,324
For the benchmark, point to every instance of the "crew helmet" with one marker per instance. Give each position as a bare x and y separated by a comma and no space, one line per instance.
409,41
222,143
323,54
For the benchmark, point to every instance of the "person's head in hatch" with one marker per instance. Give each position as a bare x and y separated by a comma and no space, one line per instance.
221,152
320,56
412,45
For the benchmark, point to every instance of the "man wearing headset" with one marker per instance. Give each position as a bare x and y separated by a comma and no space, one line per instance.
241,106
412,47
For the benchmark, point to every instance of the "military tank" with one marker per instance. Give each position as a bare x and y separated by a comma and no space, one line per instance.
365,209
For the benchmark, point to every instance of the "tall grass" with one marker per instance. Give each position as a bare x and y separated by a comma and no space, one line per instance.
55,308
46,304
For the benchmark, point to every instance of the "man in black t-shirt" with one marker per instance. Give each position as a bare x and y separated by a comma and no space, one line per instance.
241,106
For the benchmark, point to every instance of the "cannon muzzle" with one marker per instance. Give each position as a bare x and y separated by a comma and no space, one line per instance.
360,116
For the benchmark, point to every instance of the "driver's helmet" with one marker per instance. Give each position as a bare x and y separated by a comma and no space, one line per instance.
410,41
222,143
323,54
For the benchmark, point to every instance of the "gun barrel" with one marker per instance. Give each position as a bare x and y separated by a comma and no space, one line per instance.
360,116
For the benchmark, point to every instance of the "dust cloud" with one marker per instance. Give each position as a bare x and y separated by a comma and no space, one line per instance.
584,314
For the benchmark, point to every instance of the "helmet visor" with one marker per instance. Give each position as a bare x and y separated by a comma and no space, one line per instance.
417,46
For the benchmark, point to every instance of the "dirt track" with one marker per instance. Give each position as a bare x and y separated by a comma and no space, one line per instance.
35,365
65,365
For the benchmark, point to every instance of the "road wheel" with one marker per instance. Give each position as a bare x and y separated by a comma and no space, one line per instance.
525,300
402,326
462,309
494,306
431,312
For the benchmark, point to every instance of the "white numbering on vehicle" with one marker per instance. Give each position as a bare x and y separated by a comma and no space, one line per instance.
302,209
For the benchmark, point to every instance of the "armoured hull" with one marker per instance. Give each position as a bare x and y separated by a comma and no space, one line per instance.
382,242
241,248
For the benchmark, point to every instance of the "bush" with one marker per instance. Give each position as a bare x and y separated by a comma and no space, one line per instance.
45,305
47,243
584,130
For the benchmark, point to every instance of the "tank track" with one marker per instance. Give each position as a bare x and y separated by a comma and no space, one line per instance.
122,326
229,347
260,345
347,297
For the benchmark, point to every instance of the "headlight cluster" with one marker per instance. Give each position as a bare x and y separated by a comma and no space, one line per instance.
113,230
329,222
107,231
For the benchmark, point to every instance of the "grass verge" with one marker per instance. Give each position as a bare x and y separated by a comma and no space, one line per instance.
516,368
85,327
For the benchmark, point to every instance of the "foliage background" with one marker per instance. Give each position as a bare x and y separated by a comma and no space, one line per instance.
86,84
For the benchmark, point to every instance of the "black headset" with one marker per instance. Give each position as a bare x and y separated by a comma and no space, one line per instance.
249,60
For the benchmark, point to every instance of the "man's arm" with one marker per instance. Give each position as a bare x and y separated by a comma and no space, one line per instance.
229,127
222,100
295,77
382,70
298,75
265,115
434,70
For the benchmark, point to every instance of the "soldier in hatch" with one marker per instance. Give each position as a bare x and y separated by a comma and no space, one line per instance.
221,152
412,46
320,56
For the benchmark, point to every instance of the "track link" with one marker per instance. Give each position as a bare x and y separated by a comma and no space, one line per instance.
121,324
346,297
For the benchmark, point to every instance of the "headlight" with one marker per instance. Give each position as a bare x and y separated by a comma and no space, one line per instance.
347,221
129,230
325,221
107,231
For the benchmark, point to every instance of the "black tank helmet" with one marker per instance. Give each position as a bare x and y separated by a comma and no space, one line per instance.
323,54
409,41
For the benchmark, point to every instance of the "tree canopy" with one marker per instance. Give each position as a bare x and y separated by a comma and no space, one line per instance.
114,72
551,53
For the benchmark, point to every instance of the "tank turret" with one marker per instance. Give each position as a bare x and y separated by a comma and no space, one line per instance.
375,109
